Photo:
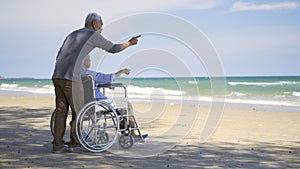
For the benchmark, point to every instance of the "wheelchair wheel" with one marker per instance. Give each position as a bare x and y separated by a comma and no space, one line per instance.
97,126
125,141
52,120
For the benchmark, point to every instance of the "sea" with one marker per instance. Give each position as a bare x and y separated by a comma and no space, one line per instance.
277,93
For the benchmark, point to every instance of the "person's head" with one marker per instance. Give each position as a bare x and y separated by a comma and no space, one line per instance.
87,62
93,21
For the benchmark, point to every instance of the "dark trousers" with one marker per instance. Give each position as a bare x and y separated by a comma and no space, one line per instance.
64,99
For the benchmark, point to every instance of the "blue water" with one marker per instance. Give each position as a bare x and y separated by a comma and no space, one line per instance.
268,90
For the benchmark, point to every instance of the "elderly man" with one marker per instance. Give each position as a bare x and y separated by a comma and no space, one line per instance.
75,47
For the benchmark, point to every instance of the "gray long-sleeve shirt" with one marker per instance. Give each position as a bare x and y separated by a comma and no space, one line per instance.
76,46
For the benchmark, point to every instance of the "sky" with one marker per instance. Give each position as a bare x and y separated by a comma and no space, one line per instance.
251,37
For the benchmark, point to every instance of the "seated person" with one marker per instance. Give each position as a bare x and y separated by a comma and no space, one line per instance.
101,77
108,78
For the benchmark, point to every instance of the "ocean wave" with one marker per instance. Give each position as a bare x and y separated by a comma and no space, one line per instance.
237,94
264,83
153,91
263,102
133,90
296,94
192,82
288,98
196,100
15,88
5,85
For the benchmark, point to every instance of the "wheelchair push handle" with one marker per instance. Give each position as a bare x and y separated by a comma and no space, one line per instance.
110,85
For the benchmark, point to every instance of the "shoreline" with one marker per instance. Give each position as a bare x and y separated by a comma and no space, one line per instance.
244,106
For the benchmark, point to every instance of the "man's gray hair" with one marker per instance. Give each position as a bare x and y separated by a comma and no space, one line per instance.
90,17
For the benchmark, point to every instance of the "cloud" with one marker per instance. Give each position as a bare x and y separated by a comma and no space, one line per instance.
62,13
134,5
247,6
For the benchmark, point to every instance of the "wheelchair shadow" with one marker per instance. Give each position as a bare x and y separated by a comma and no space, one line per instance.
26,143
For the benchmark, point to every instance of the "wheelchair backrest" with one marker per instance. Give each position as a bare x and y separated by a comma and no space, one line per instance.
88,88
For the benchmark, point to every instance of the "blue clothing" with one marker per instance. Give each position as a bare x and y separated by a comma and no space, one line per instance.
99,78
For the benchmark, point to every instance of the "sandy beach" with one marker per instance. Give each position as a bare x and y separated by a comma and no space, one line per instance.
244,138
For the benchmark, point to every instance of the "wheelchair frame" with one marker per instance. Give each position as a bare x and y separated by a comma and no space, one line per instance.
98,123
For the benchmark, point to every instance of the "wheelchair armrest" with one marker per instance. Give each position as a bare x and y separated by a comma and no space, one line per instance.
110,85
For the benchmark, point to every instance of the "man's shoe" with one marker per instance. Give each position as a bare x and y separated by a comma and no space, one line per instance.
72,144
74,147
62,150
66,144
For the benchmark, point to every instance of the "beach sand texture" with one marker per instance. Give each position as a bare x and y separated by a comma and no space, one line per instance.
244,138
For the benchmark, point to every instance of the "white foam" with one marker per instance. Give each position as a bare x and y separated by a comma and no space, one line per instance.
193,82
153,91
263,102
237,94
5,85
179,99
296,94
264,83
47,89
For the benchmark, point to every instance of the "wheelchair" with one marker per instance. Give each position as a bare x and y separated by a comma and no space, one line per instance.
101,123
